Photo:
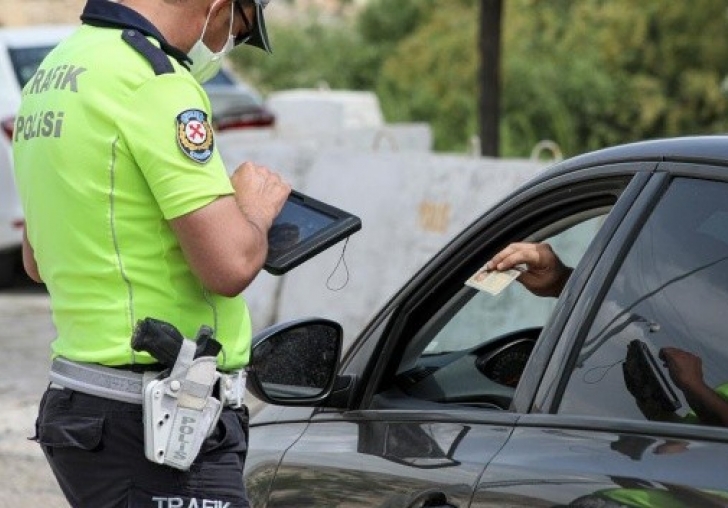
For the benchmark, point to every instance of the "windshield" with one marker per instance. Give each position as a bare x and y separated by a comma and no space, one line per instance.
26,61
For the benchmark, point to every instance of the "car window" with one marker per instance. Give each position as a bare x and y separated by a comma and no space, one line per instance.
670,291
514,308
26,61
474,348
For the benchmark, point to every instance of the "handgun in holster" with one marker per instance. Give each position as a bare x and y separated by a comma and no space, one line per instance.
179,406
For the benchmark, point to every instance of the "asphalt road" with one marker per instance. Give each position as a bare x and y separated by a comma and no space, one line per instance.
26,330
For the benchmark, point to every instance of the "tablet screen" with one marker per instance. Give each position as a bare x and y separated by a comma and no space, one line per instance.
295,224
304,228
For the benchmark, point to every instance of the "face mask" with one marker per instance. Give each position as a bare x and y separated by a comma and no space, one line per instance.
205,62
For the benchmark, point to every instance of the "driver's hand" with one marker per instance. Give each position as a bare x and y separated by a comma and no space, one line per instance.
545,274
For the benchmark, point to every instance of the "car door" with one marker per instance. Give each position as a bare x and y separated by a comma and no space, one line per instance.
604,429
424,395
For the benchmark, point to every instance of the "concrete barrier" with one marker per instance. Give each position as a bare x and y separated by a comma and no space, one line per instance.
395,137
350,119
332,110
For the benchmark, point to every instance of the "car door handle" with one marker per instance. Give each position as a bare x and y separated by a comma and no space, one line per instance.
431,500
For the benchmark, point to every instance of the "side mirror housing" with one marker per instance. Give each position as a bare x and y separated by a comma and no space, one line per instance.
295,363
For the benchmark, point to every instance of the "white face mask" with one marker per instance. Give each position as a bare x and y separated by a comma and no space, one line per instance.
205,62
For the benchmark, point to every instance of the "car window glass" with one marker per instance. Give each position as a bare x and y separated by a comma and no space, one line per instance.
670,291
26,61
473,350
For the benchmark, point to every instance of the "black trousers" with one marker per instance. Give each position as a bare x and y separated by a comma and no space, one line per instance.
95,447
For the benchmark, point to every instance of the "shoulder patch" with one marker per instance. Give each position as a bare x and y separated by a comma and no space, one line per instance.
194,135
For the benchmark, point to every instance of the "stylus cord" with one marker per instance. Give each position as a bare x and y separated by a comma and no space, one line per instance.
342,261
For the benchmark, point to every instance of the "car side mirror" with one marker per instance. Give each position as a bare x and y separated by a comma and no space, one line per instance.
295,363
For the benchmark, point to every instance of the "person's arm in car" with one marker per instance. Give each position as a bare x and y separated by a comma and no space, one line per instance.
226,242
545,274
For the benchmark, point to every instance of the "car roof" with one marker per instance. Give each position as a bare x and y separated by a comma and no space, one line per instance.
708,149
36,35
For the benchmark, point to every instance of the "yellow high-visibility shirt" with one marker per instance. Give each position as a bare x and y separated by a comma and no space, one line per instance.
106,152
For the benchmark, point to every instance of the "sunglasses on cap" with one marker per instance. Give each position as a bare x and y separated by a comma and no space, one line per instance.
255,32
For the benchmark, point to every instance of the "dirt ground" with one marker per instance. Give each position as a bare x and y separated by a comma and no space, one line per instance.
25,332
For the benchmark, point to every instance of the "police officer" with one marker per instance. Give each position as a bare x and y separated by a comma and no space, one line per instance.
130,214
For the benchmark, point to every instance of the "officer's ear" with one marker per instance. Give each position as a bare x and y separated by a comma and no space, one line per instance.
216,7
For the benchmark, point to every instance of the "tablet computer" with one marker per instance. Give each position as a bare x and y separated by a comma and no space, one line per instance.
647,378
304,228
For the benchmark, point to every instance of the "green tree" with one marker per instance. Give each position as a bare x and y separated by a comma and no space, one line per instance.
309,55
431,77
612,72
346,53
584,73
553,89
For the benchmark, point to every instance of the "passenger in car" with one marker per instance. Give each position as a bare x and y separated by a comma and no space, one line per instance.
546,275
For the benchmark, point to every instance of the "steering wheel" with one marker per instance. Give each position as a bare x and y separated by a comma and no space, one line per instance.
505,364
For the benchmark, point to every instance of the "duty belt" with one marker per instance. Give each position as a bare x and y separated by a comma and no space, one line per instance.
127,386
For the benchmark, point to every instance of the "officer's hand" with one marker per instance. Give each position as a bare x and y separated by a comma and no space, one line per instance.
545,274
686,369
260,193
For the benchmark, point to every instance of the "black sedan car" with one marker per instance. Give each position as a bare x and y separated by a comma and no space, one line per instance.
456,397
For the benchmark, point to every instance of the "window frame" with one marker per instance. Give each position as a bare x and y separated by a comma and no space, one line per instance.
544,406
515,218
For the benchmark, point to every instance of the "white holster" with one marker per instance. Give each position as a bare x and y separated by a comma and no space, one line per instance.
179,410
